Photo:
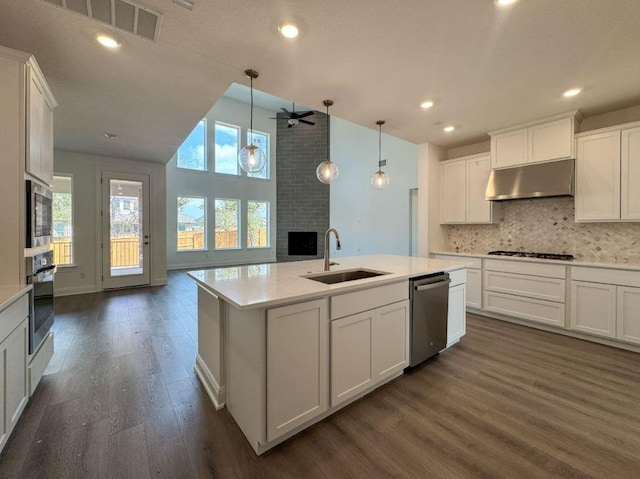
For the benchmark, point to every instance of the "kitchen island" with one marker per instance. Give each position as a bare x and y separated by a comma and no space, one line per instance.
282,350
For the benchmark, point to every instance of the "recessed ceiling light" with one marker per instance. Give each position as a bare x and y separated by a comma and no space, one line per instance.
448,129
288,30
184,4
107,41
572,92
111,136
426,105
504,3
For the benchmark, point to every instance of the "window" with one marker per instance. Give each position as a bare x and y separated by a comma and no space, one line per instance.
227,139
62,220
261,140
192,154
258,224
227,221
192,223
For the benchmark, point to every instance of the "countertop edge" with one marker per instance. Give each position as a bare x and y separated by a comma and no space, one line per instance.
11,297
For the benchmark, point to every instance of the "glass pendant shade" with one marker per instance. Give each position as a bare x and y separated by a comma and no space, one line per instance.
380,180
327,171
251,159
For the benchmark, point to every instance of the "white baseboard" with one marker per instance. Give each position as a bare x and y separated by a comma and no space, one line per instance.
214,390
76,290
159,281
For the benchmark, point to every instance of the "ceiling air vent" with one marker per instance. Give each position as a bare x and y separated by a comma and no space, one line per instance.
121,14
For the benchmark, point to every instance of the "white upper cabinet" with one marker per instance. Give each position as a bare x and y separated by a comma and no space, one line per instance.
630,178
463,183
608,175
452,191
598,177
40,104
551,141
545,140
509,149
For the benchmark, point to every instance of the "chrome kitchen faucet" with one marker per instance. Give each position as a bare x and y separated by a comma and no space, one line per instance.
326,246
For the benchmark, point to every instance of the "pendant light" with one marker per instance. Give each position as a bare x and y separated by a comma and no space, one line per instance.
380,180
251,157
327,171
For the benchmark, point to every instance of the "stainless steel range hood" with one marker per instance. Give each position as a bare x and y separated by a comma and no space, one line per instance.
555,178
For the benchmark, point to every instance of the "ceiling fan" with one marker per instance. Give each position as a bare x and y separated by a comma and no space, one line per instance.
293,117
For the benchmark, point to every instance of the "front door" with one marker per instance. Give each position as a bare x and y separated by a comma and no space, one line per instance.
125,230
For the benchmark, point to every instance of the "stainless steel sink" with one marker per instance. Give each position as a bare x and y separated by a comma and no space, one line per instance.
342,276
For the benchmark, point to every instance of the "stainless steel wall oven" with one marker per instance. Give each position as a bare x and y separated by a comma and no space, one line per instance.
41,273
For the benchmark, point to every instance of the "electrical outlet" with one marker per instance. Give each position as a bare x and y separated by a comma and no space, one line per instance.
81,275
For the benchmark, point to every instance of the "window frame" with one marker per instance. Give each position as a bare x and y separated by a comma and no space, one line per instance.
70,176
238,223
204,215
268,224
238,128
206,156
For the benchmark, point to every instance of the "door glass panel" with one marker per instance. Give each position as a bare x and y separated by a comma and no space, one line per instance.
126,237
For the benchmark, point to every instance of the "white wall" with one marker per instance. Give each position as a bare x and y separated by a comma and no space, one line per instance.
211,185
371,221
431,235
84,275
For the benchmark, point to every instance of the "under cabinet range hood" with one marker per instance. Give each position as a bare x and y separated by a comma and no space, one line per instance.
555,178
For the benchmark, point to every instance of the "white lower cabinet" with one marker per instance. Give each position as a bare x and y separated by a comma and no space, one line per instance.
366,348
456,319
13,379
593,308
474,288
628,314
297,365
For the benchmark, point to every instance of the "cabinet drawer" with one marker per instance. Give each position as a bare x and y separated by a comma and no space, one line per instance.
13,315
606,276
457,277
472,262
525,267
538,310
39,363
550,289
351,303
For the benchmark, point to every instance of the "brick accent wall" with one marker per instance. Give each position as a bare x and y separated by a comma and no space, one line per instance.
302,201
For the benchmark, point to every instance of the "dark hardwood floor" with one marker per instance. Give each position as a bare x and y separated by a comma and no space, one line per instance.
120,399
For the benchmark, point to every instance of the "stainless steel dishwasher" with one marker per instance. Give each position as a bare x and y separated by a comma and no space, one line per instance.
429,309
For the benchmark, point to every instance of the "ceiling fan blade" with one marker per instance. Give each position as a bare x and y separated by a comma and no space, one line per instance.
290,125
306,122
306,113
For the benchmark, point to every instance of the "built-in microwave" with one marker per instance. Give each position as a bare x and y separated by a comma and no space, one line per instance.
39,215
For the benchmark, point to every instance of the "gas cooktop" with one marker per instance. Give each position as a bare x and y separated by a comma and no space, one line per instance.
524,254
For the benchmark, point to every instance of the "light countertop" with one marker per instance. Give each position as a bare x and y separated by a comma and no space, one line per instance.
265,285
8,294
575,262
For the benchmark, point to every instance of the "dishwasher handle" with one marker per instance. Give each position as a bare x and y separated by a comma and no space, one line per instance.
439,284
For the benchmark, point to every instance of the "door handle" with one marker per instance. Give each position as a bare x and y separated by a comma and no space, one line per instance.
146,242
439,284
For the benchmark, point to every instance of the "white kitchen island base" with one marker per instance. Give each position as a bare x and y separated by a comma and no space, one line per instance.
282,352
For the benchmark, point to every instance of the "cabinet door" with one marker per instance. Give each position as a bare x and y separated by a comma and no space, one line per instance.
14,351
474,288
551,141
593,308
479,210
628,317
46,143
509,149
297,365
630,165
35,101
452,191
456,319
389,337
351,366
598,177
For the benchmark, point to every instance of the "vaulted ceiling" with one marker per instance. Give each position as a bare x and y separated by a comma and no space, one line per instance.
485,67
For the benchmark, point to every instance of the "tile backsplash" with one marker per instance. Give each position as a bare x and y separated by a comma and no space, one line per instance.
547,225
